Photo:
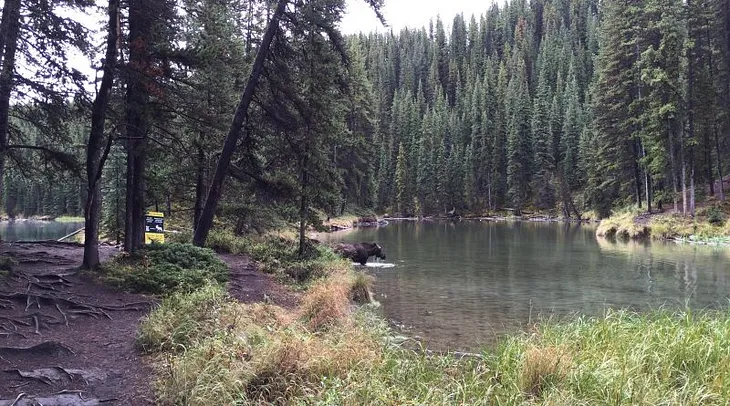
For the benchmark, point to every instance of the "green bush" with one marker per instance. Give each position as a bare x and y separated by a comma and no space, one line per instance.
715,216
6,265
226,241
182,237
168,268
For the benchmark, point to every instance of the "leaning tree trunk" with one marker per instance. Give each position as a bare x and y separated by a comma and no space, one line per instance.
95,152
199,186
229,145
9,28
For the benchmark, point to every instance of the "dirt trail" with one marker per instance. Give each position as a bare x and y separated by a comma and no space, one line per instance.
249,285
65,339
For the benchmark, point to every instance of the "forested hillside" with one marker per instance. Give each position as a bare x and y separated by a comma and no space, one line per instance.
568,104
256,113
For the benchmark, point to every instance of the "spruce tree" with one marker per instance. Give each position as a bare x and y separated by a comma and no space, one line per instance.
519,141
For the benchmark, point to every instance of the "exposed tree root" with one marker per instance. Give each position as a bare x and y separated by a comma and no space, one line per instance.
58,261
52,243
63,398
65,319
13,321
59,375
34,299
17,399
44,348
48,281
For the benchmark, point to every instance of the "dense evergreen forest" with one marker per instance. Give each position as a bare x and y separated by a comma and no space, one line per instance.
258,111
564,104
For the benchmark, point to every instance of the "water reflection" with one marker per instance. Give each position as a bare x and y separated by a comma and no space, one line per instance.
27,230
462,284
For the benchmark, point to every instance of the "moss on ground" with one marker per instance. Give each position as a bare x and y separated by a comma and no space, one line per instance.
166,269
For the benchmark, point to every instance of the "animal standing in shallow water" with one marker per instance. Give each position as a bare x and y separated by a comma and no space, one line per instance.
360,252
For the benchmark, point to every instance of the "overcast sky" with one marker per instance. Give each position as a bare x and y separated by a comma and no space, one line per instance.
408,13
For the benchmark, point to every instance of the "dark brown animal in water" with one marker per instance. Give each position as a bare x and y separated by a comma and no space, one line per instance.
360,252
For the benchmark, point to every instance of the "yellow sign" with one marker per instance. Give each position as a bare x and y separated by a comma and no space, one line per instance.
154,228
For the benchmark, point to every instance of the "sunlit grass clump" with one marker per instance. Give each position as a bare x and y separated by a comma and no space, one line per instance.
622,225
213,350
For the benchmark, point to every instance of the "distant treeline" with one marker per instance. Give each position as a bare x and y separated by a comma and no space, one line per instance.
571,104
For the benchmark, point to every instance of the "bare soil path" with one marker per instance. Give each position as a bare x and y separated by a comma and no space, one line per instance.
249,285
66,339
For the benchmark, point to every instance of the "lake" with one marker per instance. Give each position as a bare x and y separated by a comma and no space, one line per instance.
461,285
30,230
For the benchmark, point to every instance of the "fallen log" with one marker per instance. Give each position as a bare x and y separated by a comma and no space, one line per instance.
72,234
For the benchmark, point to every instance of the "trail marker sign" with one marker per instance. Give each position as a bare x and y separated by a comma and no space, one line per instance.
154,228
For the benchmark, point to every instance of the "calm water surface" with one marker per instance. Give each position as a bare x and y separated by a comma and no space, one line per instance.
28,230
461,285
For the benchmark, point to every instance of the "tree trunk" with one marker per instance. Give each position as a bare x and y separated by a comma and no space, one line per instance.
692,192
129,198
684,188
691,127
719,163
199,186
708,161
229,145
9,28
137,120
673,167
95,154
303,205
637,174
647,183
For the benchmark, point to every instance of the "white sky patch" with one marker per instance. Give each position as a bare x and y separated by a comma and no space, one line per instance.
359,18
409,13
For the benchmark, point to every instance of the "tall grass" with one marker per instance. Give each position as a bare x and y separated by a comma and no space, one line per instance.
216,351
622,225
210,349
260,354
183,320
622,359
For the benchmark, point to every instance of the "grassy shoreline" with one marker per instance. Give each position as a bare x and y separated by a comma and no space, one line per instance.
333,349
709,226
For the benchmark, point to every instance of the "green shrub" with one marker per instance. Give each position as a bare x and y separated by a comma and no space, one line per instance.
278,254
715,216
6,265
168,268
182,237
226,241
